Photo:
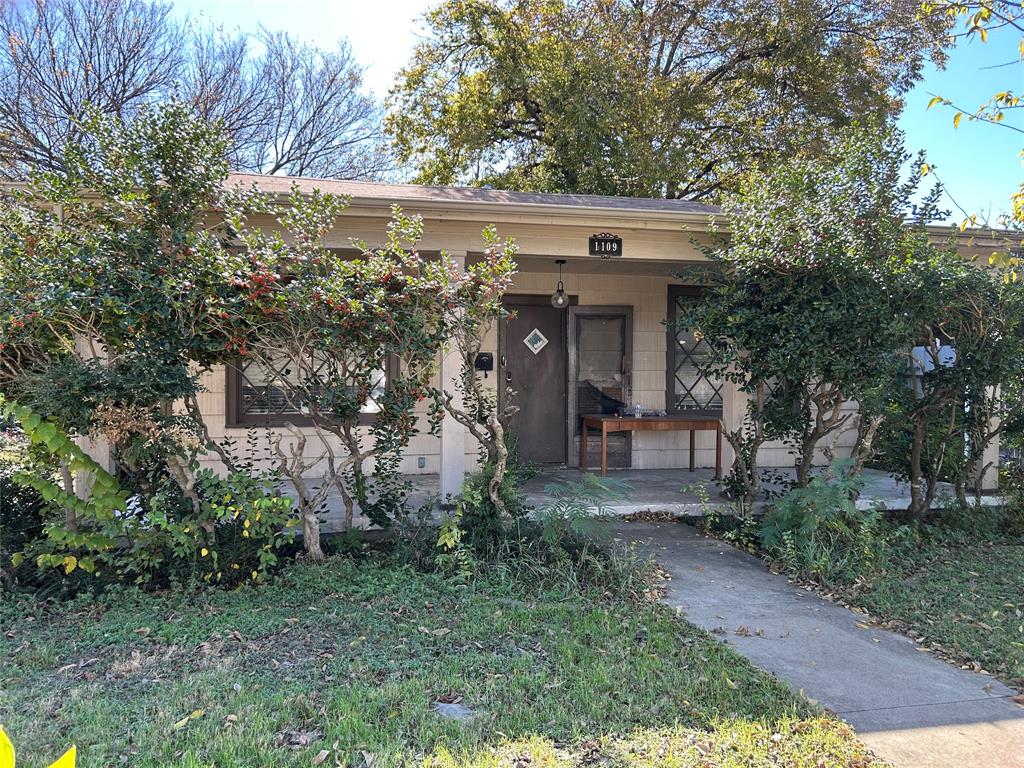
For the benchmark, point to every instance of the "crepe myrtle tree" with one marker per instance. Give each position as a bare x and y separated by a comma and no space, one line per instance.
800,314
132,269
322,327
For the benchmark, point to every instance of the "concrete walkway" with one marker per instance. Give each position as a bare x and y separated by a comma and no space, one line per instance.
907,706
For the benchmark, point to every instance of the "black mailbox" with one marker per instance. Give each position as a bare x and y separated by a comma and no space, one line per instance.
484,362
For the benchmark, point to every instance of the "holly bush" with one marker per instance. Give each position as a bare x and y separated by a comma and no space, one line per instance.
801,313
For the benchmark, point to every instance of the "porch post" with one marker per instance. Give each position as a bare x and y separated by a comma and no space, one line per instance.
989,480
453,434
734,412
96,448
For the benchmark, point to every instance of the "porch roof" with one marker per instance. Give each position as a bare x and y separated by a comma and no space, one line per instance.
453,198
486,202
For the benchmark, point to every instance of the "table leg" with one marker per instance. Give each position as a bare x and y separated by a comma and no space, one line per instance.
693,444
718,452
583,448
604,449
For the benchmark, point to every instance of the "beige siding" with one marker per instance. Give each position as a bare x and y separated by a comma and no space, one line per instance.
640,279
648,295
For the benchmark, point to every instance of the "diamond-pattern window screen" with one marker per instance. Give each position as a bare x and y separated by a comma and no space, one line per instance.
281,389
535,341
690,389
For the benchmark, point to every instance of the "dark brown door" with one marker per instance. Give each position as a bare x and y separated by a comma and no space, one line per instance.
532,366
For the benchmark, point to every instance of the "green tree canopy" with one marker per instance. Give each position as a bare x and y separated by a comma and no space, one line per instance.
645,98
803,313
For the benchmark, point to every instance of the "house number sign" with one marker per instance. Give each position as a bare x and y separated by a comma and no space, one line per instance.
605,245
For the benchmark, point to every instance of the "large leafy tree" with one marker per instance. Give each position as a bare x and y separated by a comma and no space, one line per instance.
647,97
286,107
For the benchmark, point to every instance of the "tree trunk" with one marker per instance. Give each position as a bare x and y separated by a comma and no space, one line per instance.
70,518
917,506
181,473
308,502
863,450
350,506
806,461
745,448
500,463
311,535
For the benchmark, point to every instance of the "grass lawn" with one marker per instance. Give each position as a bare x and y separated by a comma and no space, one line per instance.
339,664
968,600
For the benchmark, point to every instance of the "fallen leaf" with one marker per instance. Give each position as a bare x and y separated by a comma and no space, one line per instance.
322,755
193,715
143,631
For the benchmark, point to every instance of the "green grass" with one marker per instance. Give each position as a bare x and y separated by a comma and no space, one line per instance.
346,659
965,599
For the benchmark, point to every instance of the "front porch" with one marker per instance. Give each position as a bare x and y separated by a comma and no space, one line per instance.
675,492
682,493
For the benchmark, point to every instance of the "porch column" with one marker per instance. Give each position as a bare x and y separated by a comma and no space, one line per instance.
734,412
453,434
97,448
990,456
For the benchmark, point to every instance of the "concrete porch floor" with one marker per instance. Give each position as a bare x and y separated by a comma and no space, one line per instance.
676,492
683,493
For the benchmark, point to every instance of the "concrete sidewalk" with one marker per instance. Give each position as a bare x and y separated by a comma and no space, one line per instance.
907,706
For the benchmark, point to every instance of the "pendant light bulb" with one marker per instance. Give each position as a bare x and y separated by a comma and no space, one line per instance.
558,299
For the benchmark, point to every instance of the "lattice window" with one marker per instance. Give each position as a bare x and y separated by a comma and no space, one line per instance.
279,391
689,387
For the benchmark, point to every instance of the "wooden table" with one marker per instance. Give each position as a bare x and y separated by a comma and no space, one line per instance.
649,423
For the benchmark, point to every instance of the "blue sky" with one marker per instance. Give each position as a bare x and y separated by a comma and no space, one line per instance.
978,163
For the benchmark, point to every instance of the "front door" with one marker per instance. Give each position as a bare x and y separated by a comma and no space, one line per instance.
532,370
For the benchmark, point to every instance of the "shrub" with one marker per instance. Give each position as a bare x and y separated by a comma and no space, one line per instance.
818,532
23,513
482,523
558,545
237,536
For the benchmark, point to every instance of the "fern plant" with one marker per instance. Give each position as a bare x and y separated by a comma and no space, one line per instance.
817,531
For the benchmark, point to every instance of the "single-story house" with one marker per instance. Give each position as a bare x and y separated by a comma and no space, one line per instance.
626,266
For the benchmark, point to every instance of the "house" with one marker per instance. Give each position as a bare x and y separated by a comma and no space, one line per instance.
626,267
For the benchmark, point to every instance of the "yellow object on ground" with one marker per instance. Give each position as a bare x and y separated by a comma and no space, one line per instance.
67,760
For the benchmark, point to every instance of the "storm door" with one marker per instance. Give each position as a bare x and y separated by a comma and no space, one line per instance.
600,377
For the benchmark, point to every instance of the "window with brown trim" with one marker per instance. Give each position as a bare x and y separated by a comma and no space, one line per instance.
275,394
688,388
